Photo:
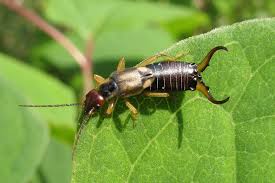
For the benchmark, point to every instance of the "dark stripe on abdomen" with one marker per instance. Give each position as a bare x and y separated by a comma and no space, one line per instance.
173,76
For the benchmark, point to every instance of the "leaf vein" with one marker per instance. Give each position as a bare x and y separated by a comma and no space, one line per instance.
155,137
247,83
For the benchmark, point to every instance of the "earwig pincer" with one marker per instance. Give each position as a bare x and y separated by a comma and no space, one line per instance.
150,79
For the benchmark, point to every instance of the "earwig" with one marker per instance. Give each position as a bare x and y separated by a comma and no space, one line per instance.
150,79
147,78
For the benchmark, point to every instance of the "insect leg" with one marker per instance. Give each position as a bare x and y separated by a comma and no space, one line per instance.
111,106
180,54
132,109
121,65
205,62
169,57
155,94
147,61
98,79
154,58
205,91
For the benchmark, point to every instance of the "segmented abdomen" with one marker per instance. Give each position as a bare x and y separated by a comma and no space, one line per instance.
173,76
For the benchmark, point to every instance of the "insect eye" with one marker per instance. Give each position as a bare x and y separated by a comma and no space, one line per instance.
106,92
112,87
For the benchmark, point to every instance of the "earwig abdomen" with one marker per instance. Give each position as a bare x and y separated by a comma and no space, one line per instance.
173,76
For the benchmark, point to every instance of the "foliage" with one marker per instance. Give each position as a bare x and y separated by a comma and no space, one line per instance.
150,32
186,138
24,132
118,28
232,10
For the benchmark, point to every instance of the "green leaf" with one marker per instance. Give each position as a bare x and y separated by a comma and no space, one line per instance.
91,16
108,48
185,138
40,88
118,29
24,136
56,165
229,10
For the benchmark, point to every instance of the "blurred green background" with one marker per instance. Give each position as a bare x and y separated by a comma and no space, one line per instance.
35,69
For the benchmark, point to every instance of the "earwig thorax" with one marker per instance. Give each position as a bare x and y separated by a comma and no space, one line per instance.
108,89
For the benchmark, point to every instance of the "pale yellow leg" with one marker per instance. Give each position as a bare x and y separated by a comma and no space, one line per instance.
98,79
111,106
132,109
155,94
168,57
152,59
147,61
121,65
181,54
174,58
155,57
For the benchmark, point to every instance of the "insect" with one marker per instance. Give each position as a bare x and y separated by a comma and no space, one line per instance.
150,79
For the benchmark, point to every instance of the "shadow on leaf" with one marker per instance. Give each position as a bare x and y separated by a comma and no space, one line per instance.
147,106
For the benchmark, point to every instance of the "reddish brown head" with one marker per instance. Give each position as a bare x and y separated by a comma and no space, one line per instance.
93,101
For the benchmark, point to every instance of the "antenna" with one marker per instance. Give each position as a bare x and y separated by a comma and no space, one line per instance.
82,122
51,105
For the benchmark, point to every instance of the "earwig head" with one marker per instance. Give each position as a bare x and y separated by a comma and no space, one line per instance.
93,101
108,89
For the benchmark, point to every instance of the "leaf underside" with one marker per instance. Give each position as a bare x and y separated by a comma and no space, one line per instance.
185,138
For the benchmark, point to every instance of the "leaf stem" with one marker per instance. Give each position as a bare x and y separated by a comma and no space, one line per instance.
89,57
83,61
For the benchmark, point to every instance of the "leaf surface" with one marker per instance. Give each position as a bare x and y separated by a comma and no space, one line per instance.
108,48
92,16
119,28
24,137
56,164
40,88
185,138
